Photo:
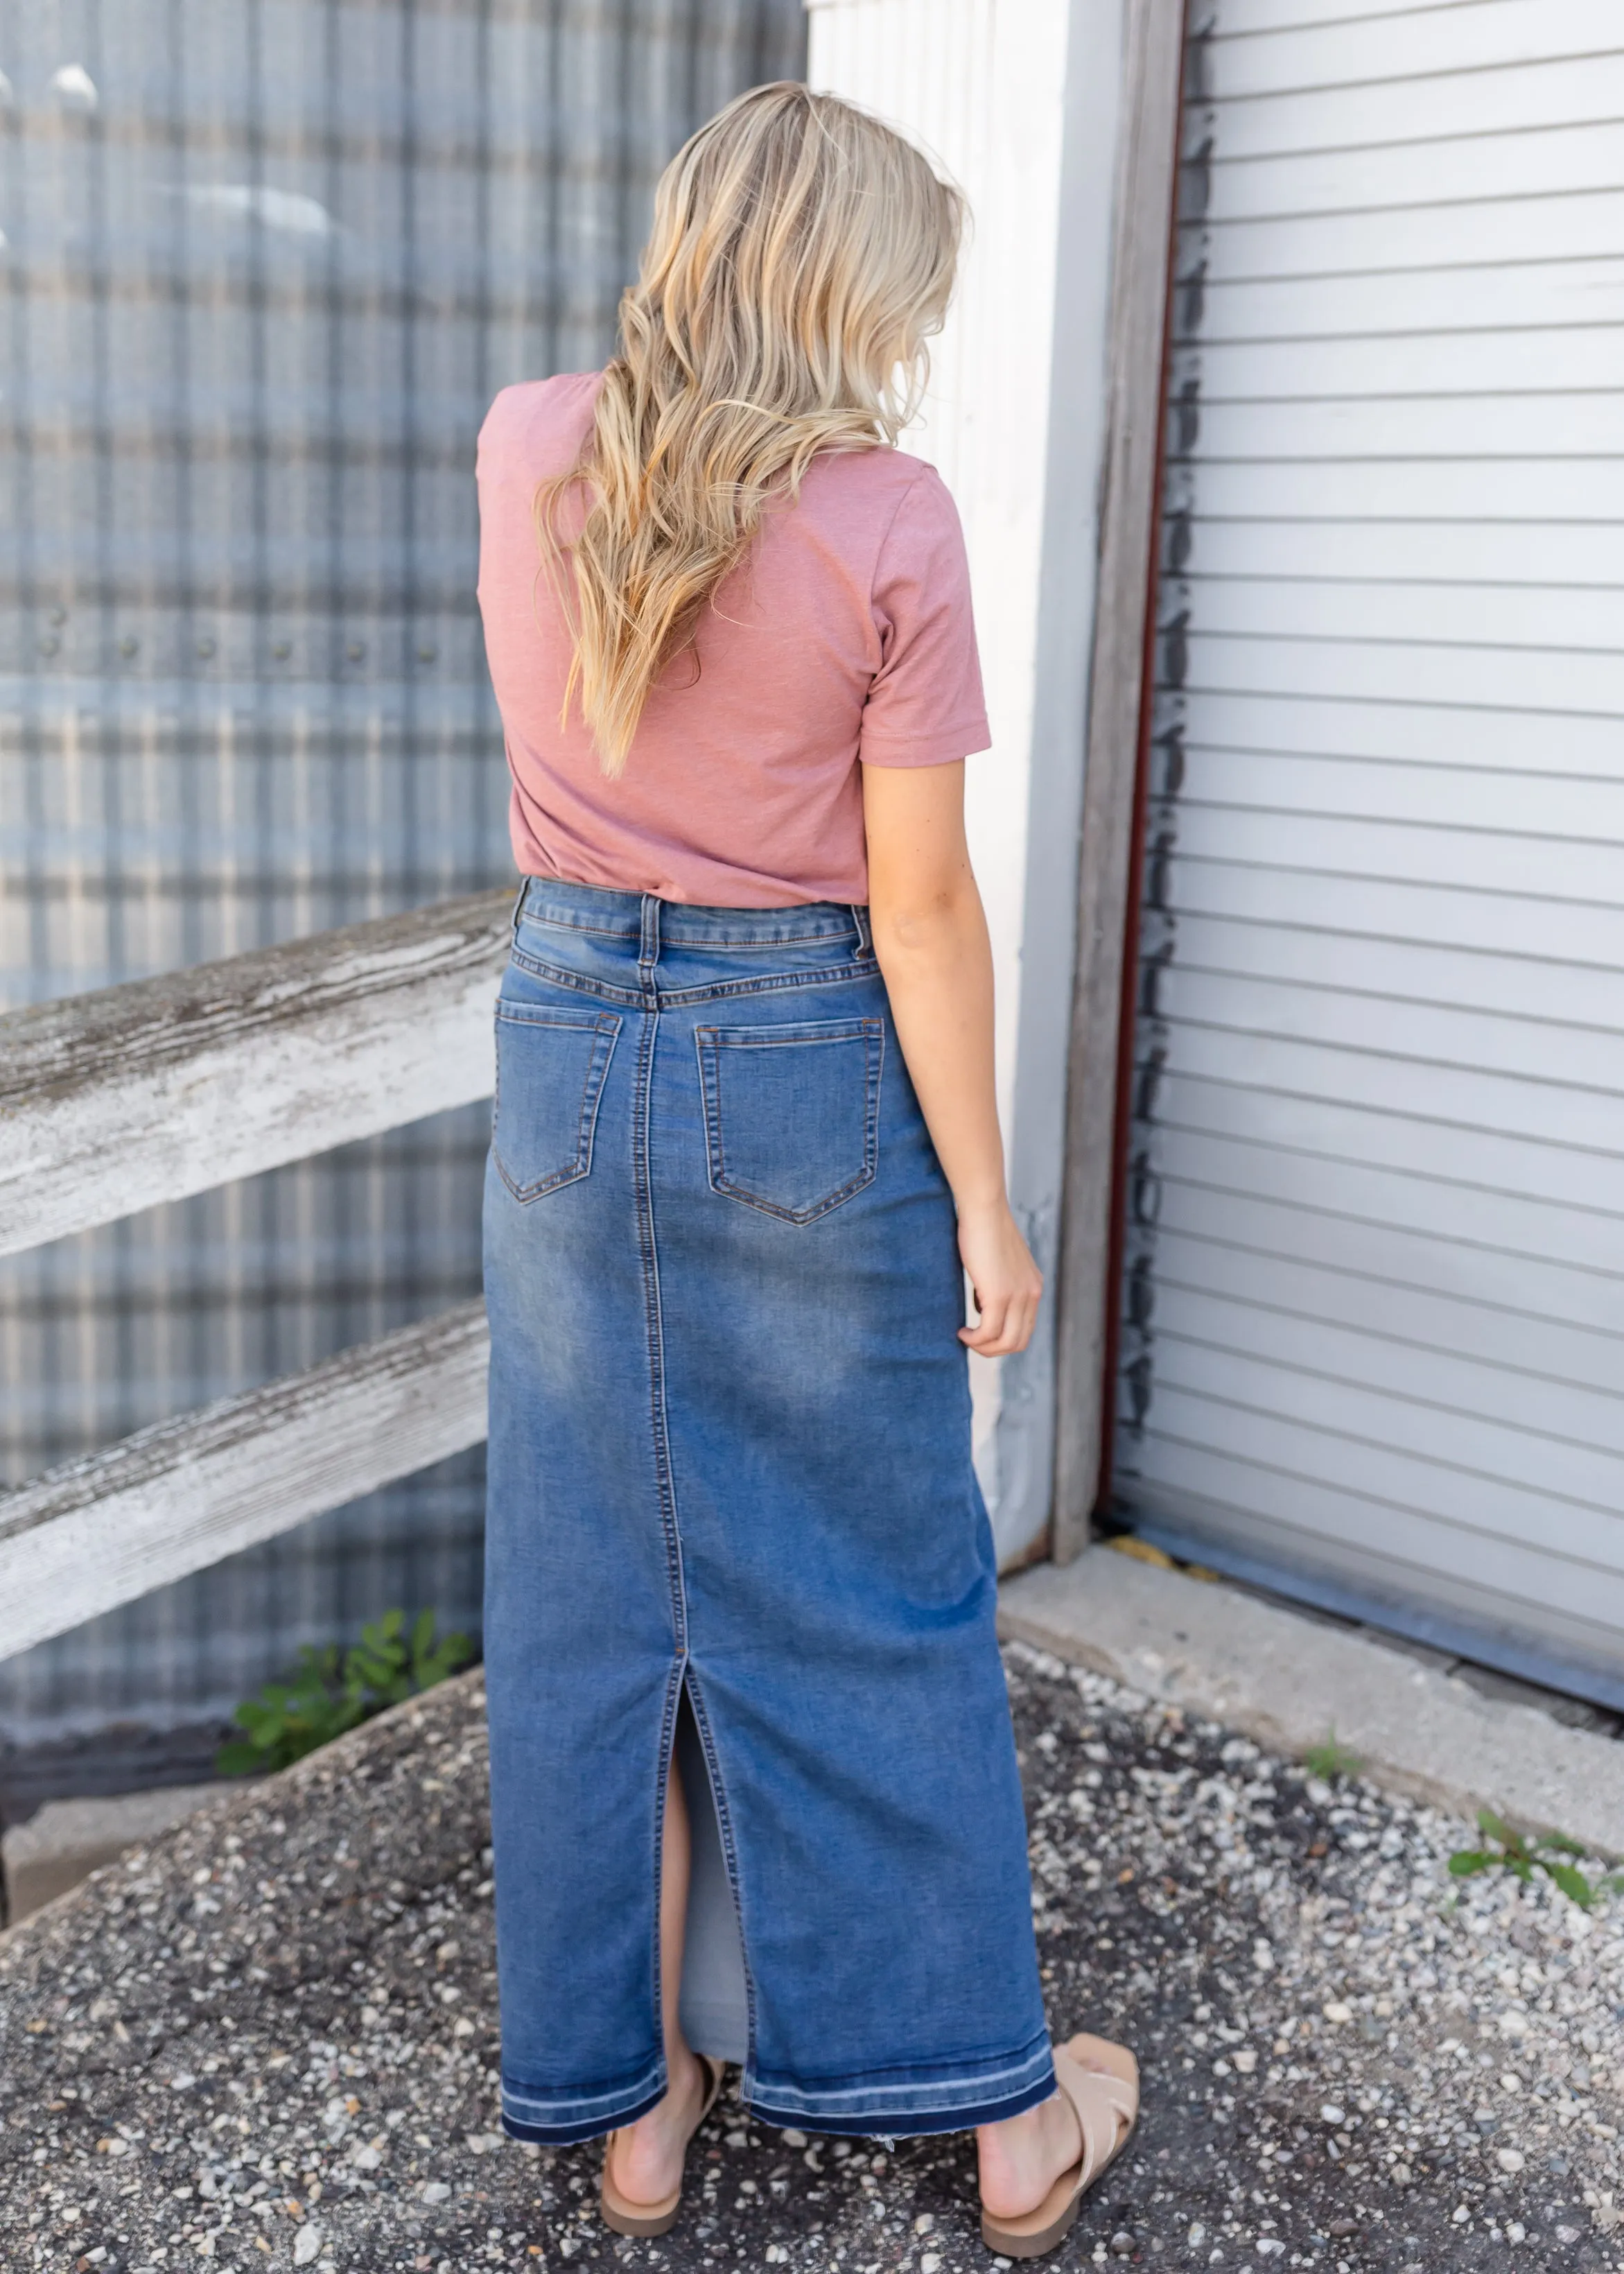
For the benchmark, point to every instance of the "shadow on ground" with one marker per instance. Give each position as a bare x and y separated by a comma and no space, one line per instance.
269,2038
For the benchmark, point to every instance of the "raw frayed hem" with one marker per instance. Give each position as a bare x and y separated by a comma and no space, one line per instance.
900,2111
592,2123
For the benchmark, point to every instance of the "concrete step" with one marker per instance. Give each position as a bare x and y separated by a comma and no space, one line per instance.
1287,1682
65,1840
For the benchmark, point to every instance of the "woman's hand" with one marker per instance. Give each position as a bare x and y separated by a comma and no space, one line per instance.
1008,1284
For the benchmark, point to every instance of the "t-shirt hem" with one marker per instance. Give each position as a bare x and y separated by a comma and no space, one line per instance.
936,749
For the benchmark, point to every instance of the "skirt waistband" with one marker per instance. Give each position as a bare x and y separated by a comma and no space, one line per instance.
648,920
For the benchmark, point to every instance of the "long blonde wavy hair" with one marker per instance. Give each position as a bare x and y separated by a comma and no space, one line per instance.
801,256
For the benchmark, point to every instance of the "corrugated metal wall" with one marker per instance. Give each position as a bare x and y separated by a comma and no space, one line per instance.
1373,1339
265,263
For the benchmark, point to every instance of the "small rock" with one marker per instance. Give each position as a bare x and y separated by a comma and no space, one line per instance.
435,2191
923,2224
1332,2114
307,2246
793,2139
1341,2228
1335,2011
1509,2159
929,2263
1122,2244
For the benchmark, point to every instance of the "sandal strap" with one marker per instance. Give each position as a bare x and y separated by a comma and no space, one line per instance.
1105,2108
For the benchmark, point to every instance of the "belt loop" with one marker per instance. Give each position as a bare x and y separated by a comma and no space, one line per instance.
518,907
865,935
648,941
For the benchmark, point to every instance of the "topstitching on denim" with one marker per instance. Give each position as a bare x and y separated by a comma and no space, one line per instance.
730,1859
557,974
683,924
604,1028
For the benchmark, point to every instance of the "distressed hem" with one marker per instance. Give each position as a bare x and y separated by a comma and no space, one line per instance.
898,2110
561,2120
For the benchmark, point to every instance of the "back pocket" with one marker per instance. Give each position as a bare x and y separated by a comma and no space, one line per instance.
792,1113
550,1070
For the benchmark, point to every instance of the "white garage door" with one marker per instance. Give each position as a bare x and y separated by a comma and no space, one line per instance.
1374,1332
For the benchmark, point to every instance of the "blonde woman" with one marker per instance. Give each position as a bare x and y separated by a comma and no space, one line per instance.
754,1781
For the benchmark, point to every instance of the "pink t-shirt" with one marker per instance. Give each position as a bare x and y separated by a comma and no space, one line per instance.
845,634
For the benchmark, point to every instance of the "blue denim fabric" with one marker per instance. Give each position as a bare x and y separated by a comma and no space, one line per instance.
729,1449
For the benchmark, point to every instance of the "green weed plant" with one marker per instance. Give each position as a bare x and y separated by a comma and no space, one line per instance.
1331,1761
1522,1854
333,1689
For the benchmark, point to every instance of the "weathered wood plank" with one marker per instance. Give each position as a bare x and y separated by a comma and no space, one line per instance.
1144,194
100,1530
115,1101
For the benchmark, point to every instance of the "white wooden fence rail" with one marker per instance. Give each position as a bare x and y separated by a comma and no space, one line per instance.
115,1101
100,1530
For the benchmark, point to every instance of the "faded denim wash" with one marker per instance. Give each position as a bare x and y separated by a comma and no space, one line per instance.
730,1450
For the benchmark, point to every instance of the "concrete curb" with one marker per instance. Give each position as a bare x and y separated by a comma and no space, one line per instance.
1286,1682
69,1839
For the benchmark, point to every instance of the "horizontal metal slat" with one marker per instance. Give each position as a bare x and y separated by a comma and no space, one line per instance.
1501,297
1291,1515
1408,555
1493,1522
1432,425
1345,727
1562,374
112,1102
1484,861
1472,1393
1586,226
1396,1200
1249,18
1375,908
1461,614
1364,1302
1341,1130
1531,681
1496,489
1552,161
1432,1036
1407,1257
1571,998
178,1497
1420,42
1472,1467
1461,1096
1386,112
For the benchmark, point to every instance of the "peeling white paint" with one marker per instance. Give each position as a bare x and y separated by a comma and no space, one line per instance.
289,210
74,85
113,1102
180,1496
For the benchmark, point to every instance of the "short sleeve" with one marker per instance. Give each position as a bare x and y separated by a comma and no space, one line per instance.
925,705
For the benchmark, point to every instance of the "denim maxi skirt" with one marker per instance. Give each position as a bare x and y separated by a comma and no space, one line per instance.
731,1494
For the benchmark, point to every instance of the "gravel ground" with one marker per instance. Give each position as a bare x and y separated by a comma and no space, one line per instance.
269,2037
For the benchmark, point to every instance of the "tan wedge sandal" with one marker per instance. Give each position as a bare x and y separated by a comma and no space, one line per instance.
621,2215
1101,2082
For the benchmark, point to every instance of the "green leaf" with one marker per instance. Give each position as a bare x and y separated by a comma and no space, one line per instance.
1497,1828
1521,1865
238,1759
1573,1883
1465,1861
1560,1841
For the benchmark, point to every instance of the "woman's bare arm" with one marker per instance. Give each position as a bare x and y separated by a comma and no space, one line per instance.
930,939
